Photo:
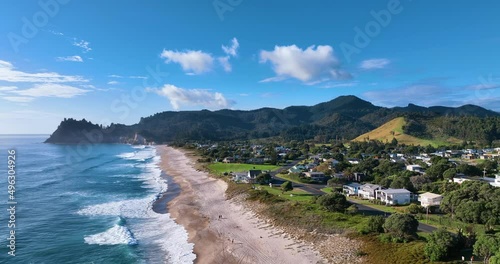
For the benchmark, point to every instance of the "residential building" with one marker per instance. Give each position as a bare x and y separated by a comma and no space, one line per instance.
368,191
415,168
315,176
351,188
430,199
394,196
252,174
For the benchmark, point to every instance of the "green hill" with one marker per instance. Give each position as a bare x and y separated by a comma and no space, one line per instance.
395,129
344,117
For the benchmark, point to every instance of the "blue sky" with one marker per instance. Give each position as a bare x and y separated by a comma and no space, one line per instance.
117,61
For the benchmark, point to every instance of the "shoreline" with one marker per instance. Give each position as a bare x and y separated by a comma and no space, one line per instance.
240,236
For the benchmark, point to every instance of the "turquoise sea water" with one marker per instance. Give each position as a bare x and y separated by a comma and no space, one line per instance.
87,204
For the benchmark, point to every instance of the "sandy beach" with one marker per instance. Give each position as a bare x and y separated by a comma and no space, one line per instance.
224,231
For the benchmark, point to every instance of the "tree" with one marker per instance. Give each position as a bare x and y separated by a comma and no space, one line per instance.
401,227
439,244
486,246
286,186
375,224
263,178
414,209
449,174
334,202
353,209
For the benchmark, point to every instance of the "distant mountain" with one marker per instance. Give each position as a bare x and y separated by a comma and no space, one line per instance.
342,117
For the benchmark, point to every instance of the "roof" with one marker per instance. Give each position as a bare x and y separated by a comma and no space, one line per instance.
254,173
430,195
353,184
315,173
370,186
393,191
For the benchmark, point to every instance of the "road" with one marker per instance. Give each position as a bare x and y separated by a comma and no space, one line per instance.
316,190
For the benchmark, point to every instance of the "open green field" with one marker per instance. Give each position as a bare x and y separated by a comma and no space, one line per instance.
394,129
220,167
295,195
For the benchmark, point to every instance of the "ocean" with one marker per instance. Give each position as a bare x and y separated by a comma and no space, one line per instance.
88,204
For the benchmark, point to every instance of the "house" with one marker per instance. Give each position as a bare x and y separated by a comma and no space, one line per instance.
351,188
368,191
315,176
252,174
240,177
228,160
394,196
430,199
415,168
459,180
353,161
358,176
339,175
294,170
493,182
256,161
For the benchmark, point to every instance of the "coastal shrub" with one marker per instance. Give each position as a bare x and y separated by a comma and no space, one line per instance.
263,196
375,224
439,244
414,209
333,202
286,186
401,227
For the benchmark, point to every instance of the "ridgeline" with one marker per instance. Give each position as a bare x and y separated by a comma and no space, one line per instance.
344,117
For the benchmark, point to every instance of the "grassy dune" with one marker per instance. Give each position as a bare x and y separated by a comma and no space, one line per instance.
220,167
394,129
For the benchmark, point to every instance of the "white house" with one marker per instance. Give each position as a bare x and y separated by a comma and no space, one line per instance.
368,191
493,182
351,188
415,168
459,180
430,199
394,196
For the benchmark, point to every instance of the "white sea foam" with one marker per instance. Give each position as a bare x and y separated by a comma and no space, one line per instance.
139,147
150,230
126,155
114,236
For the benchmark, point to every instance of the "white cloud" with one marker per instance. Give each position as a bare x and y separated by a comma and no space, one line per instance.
374,64
197,97
9,74
18,99
484,86
338,85
191,61
51,90
233,49
311,64
138,77
224,61
84,45
115,76
75,58
113,82
7,88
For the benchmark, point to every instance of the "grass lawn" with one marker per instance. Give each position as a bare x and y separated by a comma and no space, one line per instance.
384,208
288,178
220,168
327,190
298,194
